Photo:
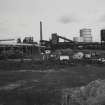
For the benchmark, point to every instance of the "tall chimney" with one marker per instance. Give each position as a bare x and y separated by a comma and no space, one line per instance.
41,38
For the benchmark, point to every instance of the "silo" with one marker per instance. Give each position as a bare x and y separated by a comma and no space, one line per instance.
78,39
86,34
103,35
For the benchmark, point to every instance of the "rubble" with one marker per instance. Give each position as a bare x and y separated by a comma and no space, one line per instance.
91,94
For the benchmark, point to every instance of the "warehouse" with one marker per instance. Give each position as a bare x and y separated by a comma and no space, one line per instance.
20,50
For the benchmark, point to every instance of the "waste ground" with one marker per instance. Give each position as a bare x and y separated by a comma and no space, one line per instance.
48,86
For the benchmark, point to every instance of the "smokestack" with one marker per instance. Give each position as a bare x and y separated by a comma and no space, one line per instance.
41,38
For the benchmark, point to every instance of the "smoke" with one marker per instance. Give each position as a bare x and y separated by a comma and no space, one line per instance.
68,19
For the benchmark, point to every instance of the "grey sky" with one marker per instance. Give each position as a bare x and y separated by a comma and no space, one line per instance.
19,18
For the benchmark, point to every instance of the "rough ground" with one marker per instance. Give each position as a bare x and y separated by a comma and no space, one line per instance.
91,94
39,86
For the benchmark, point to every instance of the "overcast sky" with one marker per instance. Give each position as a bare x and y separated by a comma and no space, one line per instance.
19,18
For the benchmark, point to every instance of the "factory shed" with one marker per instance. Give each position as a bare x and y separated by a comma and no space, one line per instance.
20,50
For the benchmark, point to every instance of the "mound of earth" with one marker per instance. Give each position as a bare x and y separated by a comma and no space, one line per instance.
92,94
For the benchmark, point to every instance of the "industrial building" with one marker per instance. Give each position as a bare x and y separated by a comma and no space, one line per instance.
85,36
79,47
20,50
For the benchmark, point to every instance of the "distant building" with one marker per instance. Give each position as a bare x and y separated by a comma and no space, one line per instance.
103,35
78,39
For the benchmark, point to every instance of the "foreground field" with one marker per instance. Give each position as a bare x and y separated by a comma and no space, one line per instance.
43,86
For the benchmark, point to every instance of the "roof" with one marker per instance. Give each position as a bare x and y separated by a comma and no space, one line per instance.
17,44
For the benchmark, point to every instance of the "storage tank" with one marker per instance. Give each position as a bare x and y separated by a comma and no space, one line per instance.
103,35
86,34
78,39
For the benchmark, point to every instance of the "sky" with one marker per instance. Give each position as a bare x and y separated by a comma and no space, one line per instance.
21,18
